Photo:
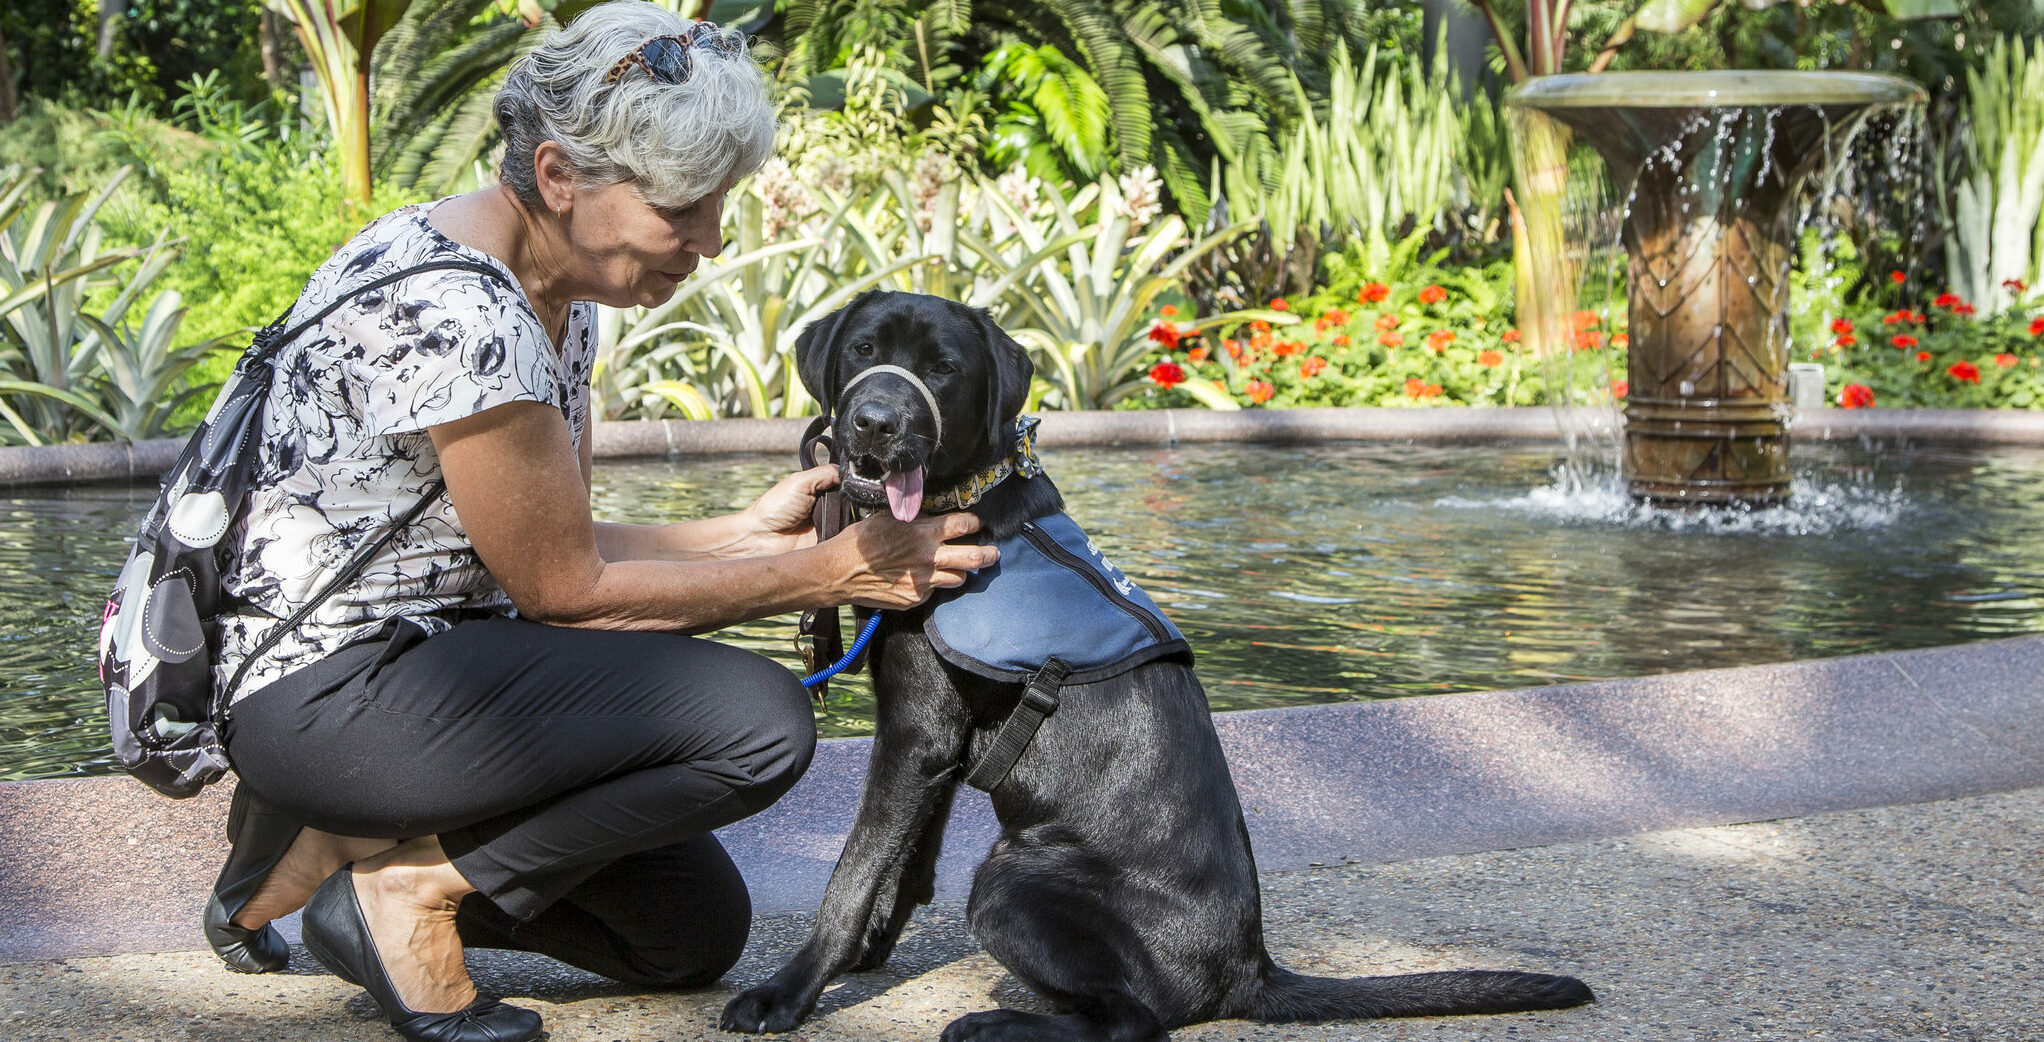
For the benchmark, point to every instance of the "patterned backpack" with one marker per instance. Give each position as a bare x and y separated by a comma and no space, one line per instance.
156,640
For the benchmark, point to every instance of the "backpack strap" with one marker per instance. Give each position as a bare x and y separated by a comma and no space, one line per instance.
354,568
268,343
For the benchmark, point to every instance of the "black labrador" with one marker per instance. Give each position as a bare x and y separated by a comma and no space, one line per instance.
1122,888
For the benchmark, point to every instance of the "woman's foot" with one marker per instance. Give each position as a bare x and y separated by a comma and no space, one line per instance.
313,856
408,895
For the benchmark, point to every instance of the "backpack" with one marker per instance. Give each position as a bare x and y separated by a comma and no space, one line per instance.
157,636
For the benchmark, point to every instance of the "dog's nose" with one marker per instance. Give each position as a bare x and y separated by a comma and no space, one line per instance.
875,420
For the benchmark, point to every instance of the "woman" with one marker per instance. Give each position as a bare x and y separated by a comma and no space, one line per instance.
496,734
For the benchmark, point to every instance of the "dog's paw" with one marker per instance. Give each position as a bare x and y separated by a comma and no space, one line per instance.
995,1025
768,1008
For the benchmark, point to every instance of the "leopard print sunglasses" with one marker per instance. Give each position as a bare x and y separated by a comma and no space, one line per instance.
667,58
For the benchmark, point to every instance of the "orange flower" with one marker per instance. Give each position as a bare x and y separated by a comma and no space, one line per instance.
1585,319
1390,339
1196,355
1288,347
1855,396
1840,325
1387,321
1440,338
1619,388
1167,374
1923,356
1373,292
1432,295
1169,311
1261,340
1329,320
1234,348
1511,336
1489,359
1278,304
1964,372
1260,391
2004,360
1621,340
1415,387
1846,340
1312,367
1589,340
1341,340
1165,333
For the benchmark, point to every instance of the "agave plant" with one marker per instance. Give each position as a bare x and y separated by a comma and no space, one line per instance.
71,372
1997,218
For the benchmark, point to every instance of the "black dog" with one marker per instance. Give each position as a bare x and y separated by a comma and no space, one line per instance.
1122,888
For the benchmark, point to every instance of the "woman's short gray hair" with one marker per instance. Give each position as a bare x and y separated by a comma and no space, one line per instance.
676,142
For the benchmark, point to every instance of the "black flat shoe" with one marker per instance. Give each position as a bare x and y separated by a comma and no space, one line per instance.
338,936
258,836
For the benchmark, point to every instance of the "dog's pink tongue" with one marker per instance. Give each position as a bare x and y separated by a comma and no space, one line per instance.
905,494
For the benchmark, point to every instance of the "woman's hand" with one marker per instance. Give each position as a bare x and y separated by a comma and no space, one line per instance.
779,519
895,565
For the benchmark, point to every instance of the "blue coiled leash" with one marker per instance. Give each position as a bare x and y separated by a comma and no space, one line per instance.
851,655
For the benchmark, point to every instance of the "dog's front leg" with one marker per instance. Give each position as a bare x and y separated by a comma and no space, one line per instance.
910,779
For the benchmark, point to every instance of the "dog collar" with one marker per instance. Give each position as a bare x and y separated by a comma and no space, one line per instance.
1022,461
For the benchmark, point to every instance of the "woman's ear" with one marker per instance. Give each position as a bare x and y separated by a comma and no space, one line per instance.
554,176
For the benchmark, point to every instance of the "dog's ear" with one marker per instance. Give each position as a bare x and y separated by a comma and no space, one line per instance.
816,352
1012,371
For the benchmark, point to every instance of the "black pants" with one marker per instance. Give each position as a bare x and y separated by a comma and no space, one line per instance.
572,776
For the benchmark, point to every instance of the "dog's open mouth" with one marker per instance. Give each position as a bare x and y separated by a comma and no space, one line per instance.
869,483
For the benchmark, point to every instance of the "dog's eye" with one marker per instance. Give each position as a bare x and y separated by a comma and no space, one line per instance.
863,350
942,369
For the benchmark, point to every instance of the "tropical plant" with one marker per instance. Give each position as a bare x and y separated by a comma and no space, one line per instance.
340,37
436,73
72,372
1997,207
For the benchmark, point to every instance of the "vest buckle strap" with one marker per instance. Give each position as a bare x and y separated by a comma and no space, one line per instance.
1039,700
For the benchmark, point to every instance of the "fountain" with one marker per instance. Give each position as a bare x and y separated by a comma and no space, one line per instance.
1710,167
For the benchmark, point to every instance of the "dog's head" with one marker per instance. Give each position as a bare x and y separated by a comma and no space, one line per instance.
923,390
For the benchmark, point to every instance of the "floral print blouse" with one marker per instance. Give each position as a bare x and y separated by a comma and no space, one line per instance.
345,451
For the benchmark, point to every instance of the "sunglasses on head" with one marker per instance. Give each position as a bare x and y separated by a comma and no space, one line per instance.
667,58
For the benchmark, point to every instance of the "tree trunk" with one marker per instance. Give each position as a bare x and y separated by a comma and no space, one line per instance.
8,105
111,12
271,38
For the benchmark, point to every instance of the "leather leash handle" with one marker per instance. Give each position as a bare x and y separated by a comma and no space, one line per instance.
829,516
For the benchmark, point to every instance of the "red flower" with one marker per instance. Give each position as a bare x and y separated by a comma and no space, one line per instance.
1390,339
1440,338
1840,325
1165,333
1619,387
1897,277
1589,340
2016,286
1328,321
2037,326
1964,372
1312,367
1196,355
1432,295
2004,360
1234,348
1387,321
1167,374
1894,317
1855,396
1289,347
1963,309
1847,340
1585,319
1341,340
1923,356
1169,311
1260,325
1260,391
1945,300
1373,292
1278,304
1489,359
1903,341
1511,336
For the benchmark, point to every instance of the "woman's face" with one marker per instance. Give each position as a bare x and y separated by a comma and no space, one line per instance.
630,252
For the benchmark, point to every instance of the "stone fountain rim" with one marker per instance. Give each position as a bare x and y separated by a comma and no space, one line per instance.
1722,88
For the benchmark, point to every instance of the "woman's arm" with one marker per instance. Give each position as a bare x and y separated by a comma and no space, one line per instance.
518,485
774,524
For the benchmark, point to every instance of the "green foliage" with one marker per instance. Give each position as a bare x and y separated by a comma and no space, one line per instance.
1053,117
75,365
435,76
1937,356
1997,206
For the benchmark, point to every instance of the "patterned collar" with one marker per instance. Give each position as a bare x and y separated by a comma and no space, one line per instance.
1021,461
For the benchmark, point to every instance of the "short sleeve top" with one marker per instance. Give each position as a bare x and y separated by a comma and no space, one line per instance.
345,454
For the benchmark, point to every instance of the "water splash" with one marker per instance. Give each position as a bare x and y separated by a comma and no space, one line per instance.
1818,505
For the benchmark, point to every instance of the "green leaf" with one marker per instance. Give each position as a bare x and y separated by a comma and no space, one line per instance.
1672,16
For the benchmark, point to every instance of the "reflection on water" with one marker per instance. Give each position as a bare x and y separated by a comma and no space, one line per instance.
1308,574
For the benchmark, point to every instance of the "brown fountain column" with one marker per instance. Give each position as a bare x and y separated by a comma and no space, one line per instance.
1709,167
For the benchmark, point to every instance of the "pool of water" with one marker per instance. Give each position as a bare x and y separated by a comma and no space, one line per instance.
1305,574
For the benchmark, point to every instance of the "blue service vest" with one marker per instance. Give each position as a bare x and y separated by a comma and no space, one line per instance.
1052,593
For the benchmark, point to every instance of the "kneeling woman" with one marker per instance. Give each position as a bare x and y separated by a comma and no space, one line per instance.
497,734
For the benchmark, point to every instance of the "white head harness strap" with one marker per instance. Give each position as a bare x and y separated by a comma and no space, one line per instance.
936,414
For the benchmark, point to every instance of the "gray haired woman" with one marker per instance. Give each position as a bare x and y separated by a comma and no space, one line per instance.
498,734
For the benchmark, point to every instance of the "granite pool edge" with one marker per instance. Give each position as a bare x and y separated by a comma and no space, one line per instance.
101,865
147,460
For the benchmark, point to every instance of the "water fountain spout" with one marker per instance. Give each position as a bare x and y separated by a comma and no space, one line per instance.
1710,166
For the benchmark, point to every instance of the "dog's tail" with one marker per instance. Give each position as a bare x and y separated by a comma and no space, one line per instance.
1289,996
